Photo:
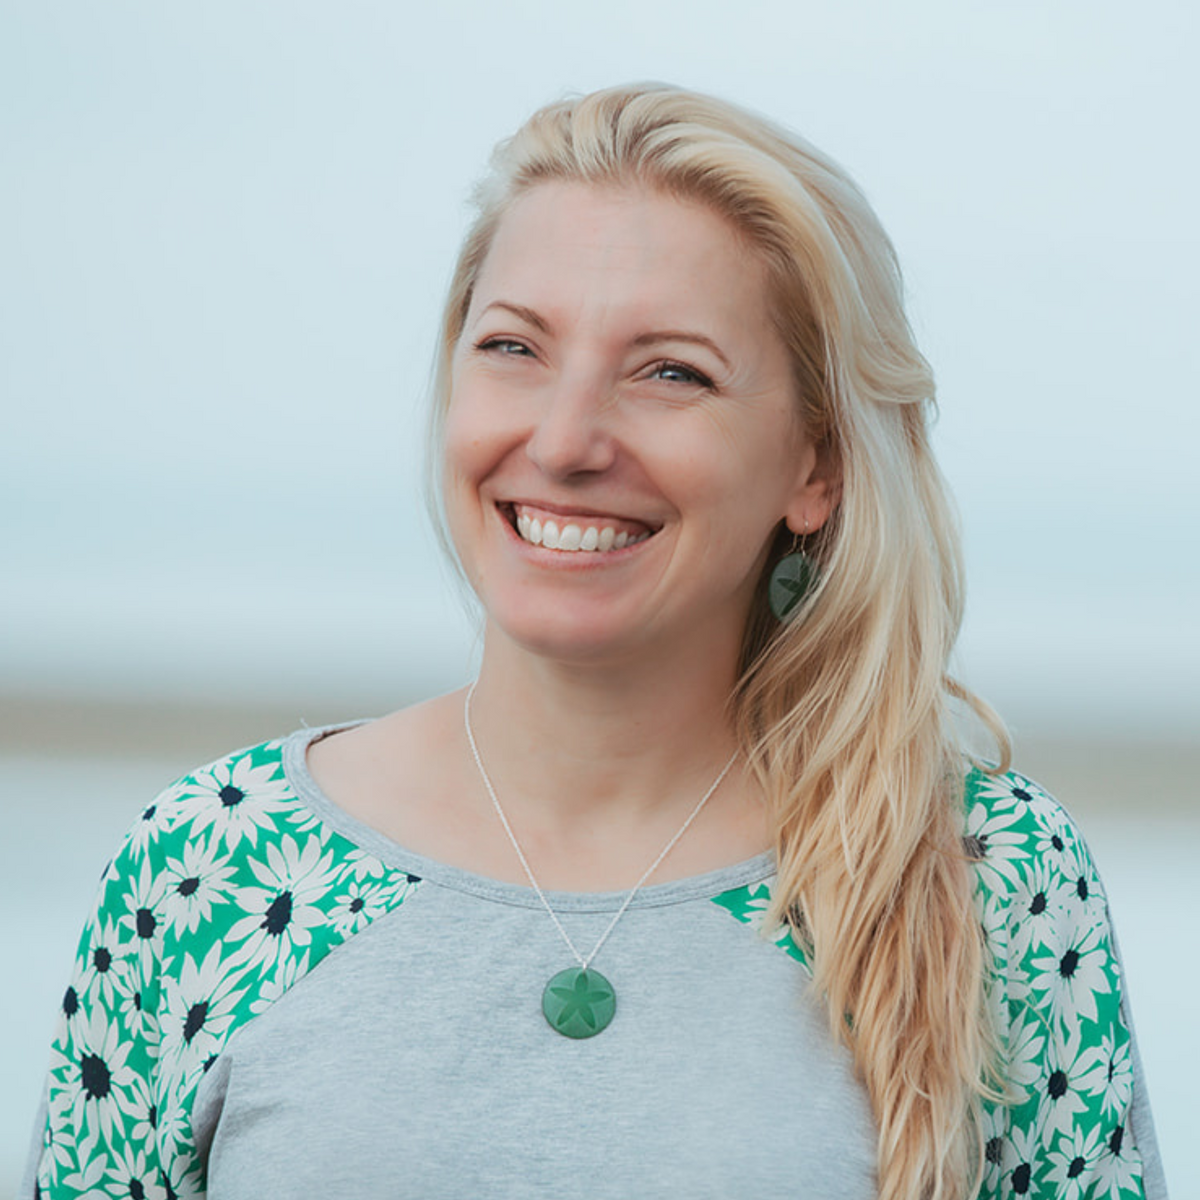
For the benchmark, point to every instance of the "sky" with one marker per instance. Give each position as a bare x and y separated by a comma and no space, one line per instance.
225,232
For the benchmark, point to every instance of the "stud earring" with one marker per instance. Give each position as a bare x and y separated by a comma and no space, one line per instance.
792,578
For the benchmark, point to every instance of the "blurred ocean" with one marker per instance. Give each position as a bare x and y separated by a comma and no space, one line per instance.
74,775
226,230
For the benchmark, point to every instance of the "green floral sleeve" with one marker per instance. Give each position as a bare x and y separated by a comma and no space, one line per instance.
225,893
1066,1131
1056,997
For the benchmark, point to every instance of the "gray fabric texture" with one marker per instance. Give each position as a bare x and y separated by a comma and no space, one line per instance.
415,1059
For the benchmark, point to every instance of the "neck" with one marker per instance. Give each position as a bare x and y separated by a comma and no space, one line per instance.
566,740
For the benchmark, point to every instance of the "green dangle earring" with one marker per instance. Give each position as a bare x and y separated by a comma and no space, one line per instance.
792,578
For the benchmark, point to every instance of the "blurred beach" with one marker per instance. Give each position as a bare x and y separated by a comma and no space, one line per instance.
74,774
227,229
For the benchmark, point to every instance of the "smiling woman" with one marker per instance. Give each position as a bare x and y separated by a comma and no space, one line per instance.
699,850
618,377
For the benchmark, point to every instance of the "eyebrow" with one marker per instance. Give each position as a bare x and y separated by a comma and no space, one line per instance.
652,338
519,310
681,335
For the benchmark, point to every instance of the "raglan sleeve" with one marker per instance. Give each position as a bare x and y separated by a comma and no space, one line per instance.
1076,1121
96,1133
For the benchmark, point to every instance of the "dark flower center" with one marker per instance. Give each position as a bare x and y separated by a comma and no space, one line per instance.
97,1079
196,1017
279,913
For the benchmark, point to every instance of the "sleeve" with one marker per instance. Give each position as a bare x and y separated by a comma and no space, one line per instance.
1075,1121
97,1130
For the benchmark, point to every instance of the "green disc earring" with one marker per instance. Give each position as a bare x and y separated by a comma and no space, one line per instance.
792,578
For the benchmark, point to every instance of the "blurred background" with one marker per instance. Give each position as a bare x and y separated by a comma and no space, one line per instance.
225,231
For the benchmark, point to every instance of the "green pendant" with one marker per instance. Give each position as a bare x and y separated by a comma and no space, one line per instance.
579,1003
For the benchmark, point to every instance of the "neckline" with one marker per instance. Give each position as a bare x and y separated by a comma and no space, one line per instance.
371,841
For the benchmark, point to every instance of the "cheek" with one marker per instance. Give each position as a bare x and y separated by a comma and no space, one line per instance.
469,447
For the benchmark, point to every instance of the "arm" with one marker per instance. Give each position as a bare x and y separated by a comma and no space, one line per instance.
97,1125
1077,1123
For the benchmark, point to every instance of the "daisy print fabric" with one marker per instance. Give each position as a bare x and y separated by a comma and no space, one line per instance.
227,892
1065,1130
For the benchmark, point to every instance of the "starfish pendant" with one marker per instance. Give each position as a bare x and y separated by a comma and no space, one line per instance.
579,1002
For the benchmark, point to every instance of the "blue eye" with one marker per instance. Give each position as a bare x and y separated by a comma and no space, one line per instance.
677,372
505,346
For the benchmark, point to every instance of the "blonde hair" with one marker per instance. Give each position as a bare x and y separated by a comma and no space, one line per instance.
844,711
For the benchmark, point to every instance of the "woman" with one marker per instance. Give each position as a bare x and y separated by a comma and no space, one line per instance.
502,943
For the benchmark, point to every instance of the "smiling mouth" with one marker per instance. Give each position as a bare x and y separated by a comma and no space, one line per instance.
583,533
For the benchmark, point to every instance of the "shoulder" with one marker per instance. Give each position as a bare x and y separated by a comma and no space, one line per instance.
233,856
1019,837
233,802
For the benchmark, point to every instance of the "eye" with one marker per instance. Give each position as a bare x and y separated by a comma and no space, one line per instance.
677,372
505,346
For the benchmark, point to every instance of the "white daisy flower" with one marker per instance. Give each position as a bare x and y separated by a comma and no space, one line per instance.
1024,1051
104,972
235,799
1071,1160
142,1025
200,1006
142,917
1037,903
144,1107
362,901
101,1076
1075,969
992,1129
132,1175
998,844
284,911
1118,1170
158,817
1074,1075
1004,793
1057,843
357,906
195,882
1118,1081
1020,1155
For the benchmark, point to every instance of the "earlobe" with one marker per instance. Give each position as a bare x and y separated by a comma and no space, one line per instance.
817,494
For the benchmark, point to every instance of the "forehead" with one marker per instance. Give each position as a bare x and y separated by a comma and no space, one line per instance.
593,245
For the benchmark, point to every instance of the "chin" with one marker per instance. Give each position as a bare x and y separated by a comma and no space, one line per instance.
570,633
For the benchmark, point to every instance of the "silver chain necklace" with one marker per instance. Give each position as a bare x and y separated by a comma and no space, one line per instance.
578,1002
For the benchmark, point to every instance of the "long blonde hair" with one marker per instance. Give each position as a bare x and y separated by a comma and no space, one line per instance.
842,712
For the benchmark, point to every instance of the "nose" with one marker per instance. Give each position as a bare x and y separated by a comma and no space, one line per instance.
572,434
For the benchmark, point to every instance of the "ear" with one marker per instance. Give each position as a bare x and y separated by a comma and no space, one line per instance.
818,488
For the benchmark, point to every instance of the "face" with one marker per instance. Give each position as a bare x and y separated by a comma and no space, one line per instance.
621,438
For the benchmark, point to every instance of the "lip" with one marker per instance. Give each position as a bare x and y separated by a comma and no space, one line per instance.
511,504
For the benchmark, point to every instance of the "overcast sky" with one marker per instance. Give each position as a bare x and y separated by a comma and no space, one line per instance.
225,230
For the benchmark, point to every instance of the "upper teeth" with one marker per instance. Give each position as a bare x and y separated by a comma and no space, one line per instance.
574,537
